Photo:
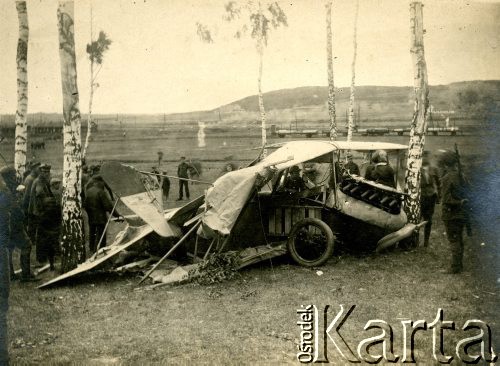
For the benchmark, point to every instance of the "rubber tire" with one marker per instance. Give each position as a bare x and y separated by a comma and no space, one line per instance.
329,245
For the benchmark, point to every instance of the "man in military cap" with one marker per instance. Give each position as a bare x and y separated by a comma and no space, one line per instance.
97,204
453,200
47,217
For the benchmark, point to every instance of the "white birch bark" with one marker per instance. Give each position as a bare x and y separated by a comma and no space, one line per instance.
419,120
350,124
260,50
329,62
21,138
73,245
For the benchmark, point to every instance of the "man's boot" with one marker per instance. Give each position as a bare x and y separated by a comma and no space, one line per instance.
26,274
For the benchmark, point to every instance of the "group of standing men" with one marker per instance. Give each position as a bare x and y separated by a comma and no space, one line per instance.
27,208
35,216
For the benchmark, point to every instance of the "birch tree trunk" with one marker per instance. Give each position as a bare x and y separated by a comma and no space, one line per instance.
260,50
329,61
350,124
72,241
22,92
419,120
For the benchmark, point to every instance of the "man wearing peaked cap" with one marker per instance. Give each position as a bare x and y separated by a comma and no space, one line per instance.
46,217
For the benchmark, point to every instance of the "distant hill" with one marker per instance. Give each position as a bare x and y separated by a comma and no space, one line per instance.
376,105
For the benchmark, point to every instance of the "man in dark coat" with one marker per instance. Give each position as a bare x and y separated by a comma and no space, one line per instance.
46,216
17,234
430,193
182,172
97,204
454,215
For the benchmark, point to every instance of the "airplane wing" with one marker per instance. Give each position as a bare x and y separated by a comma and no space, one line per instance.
133,189
131,236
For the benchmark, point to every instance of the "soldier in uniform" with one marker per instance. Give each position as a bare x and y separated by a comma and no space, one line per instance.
430,188
47,217
453,214
182,172
97,204
17,234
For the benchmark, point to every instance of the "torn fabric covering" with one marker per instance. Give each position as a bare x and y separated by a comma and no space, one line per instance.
227,197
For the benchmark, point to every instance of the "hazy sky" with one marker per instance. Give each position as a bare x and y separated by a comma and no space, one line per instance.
157,64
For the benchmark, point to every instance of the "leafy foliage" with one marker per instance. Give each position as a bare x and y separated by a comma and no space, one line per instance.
260,22
204,33
96,48
217,268
232,10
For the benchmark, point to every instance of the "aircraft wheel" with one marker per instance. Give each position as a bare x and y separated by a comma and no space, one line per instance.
310,242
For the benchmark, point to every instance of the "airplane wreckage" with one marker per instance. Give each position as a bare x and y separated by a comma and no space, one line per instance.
253,212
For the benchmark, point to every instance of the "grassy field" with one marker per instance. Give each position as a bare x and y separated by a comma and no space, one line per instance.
108,319
140,146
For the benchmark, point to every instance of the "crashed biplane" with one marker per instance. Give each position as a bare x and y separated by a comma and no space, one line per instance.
252,210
